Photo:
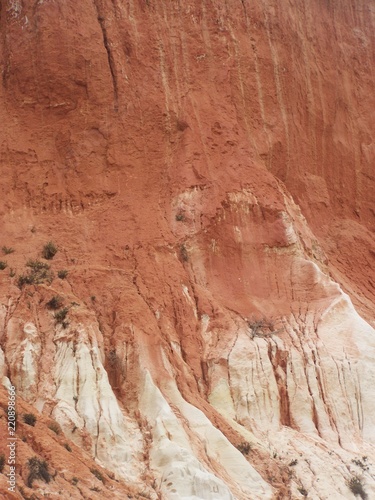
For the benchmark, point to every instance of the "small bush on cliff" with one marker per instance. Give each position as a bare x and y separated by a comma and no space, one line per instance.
2,462
62,274
356,487
3,265
97,474
29,419
361,463
60,316
7,250
49,250
38,470
38,272
55,303
244,448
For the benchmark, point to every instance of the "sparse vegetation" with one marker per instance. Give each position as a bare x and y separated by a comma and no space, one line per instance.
184,253
12,272
244,448
75,480
356,487
2,462
361,463
97,474
293,463
54,427
49,251
29,419
38,272
61,315
55,303
95,488
66,446
62,274
3,265
180,217
262,328
7,250
303,492
38,470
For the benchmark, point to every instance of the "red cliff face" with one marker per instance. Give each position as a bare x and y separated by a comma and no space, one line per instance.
206,171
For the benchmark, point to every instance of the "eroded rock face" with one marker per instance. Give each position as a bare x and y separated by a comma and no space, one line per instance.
206,171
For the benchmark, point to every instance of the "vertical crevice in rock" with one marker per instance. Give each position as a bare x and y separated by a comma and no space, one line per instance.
107,46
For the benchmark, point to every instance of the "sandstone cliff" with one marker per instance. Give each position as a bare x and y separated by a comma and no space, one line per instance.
206,172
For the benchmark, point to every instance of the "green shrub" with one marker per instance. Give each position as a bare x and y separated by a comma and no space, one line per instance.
61,315
356,487
29,419
49,250
62,274
2,462
55,303
38,469
38,272
293,463
3,265
7,250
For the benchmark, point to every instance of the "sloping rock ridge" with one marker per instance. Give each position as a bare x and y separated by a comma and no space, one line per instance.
187,283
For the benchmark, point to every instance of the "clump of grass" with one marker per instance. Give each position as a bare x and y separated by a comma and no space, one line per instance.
293,463
75,480
7,250
180,217
55,303
29,419
303,492
356,487
60,316
62,274
12,272
66,446
97,474
3,265
244,448
49,250
38,469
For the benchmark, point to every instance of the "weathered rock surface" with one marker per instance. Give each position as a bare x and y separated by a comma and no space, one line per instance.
206,170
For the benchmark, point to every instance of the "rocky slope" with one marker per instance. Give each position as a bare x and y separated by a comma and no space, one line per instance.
206,171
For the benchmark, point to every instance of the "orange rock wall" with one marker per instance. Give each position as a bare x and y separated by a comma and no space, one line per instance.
202,166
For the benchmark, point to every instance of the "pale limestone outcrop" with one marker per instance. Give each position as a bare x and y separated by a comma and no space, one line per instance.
87,407
178,436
